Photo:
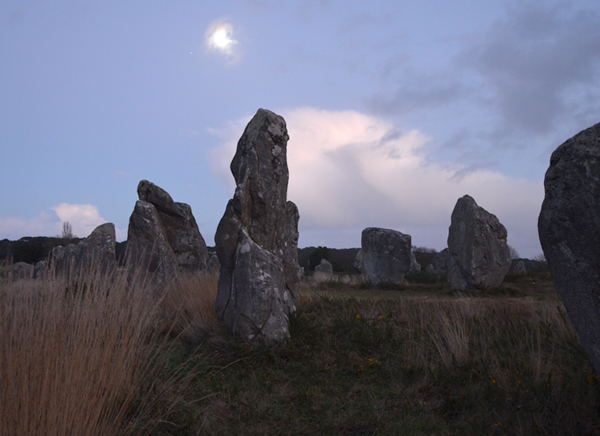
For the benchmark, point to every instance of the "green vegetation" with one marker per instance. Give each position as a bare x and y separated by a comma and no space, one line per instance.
417,360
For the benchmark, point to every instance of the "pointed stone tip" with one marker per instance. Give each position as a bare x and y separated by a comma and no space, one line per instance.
148,191
265,114
143,188
106,228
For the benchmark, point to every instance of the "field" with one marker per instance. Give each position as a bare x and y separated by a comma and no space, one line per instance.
100,356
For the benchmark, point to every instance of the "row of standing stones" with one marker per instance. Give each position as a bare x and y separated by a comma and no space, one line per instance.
257,240
477,256
163,242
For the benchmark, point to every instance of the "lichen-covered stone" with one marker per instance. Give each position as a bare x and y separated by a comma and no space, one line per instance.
385,256
257,238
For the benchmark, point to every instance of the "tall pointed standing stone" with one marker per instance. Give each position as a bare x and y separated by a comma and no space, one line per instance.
257,238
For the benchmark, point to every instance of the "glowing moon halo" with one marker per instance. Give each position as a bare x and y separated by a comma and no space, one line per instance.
220,37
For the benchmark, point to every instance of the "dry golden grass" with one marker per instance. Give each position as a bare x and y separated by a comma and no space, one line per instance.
188,305
72,355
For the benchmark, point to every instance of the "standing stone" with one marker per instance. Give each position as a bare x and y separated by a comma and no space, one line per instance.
569,230
415,266
385,256
148,251
163,238
439,263
20,271
40,269
479,256
98,250
518,267
323,271
324,267
257,238
181,229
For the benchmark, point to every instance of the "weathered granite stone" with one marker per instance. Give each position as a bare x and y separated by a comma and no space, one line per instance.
323,271
180,226
40,269
163,238
20,271
569,230
148,251
257,238
518,267
385,256
324,267
358,261
98,250
439,263
415,266
479,256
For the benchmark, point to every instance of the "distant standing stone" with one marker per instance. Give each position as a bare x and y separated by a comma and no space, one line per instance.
439,263
20,271
569,230
385,256
324,267
518,267
323,271
479,256
98,250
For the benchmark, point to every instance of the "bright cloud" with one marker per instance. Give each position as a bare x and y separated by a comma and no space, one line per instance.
349,171
84,218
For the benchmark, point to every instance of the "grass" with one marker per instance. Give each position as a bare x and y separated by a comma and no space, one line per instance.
72,355
417,360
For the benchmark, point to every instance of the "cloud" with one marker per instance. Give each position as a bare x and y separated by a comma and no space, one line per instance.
349,171
534,60
84,218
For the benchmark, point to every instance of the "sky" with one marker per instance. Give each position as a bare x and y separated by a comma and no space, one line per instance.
395,109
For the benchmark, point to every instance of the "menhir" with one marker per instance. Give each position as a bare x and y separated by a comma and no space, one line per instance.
385,256
478,255
163,238
569,230
257,238
98,250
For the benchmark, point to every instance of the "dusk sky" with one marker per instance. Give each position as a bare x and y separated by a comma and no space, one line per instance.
395,109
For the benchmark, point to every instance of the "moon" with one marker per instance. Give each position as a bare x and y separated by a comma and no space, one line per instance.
219,37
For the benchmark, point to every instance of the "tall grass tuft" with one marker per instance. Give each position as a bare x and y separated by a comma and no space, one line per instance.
73,354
